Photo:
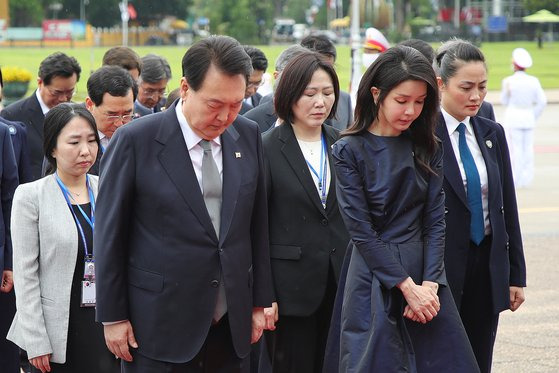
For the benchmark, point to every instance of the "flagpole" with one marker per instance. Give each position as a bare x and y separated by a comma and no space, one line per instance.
355,49
124,16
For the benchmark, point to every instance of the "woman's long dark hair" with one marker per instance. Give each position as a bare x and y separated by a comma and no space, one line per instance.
397,65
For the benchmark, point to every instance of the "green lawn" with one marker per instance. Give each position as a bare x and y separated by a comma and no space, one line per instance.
498,57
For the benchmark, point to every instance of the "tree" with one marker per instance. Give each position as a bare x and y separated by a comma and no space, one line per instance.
26,13
534,5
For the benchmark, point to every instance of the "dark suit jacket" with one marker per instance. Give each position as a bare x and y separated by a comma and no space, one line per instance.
344,113
18,134
158,259
28,111
8,185
486,111
255,101
305,238
140,110
264,115
507,265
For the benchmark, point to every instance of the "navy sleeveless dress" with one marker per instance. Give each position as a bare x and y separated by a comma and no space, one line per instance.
394,212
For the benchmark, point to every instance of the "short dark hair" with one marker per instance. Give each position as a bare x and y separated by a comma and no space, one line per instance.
452,55
58,64
393,67
258,58
294,80
113,80
321,44
422,46
223,52
172,96
56,119
124,57
154,69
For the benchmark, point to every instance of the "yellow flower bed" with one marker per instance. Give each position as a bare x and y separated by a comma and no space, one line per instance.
15,74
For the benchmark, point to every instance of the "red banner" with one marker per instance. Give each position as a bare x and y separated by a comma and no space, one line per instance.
57,29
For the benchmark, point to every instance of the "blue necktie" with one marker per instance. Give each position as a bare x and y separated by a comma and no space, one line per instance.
477,226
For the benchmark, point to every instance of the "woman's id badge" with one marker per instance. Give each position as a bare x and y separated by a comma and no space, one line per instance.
89,269
88,294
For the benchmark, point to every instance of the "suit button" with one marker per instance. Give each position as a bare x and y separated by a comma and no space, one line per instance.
324,222
445,211
214,283
502,210
333,250
220,251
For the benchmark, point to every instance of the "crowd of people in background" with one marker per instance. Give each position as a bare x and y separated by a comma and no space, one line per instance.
217,229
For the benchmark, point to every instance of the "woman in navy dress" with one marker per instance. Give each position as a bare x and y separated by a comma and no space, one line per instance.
396,313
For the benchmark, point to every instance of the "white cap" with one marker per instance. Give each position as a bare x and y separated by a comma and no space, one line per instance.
374,39
521,58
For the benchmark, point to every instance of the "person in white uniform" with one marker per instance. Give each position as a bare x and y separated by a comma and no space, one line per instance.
525,100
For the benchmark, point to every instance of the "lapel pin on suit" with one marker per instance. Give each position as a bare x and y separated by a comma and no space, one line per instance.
489,144
237,154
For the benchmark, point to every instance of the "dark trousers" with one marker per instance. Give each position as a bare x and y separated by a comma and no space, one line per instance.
217,355
9,352
299,342
476,310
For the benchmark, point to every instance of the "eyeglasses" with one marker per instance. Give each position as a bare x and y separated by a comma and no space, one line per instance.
57,93
255,84
114,118
152,92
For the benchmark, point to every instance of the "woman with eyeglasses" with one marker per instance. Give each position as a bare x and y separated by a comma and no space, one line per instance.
52,231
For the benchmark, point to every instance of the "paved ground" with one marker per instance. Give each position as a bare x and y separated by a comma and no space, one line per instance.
528,340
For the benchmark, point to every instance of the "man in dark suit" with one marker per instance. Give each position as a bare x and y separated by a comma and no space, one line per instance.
9,352
264,114
259,66
344,111
154,77
111,94
58,75
181,235
486,111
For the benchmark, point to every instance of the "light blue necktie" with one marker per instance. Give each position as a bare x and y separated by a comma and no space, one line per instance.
477,226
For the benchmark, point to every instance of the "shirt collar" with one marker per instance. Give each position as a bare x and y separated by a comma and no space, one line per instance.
190,137
452,123
45,109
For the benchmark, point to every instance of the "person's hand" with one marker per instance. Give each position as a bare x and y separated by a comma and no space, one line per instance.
432,285
271,315
41,362
258,323
516,297
408,312
7,281
422,300
117,337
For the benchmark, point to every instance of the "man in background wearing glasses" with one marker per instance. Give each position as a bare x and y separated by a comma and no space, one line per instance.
154,77
58,75
259,66
111,94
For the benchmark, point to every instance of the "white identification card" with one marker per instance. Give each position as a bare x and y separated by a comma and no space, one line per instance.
88,294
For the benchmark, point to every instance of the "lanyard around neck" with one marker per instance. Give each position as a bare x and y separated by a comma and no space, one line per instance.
322,176
89,219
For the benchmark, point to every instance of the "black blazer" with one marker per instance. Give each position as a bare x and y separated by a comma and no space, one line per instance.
8,185
264,115
158,258
507,265
306,240
28,111
18,134
486,111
